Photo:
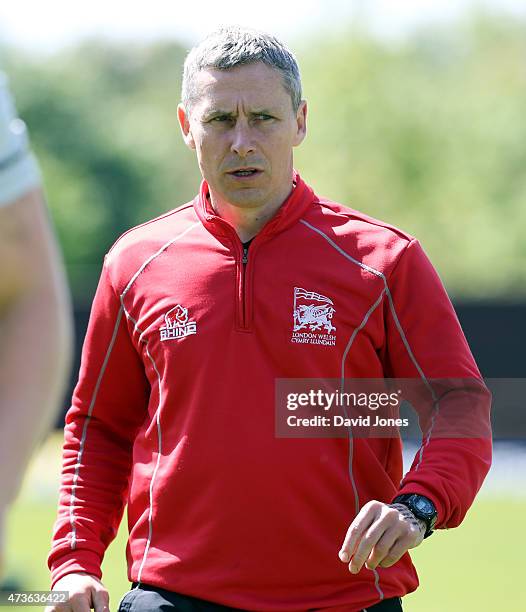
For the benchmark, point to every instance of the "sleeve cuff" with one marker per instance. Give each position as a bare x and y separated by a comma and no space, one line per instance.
73,562
420,490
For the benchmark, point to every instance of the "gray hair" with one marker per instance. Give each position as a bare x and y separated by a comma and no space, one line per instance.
233,46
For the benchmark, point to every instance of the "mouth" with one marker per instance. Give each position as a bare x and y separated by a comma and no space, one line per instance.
248,172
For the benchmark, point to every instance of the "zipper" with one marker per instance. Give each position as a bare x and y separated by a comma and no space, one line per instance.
243,306
243,290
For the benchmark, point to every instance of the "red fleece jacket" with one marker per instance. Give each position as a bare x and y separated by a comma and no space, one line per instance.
173,413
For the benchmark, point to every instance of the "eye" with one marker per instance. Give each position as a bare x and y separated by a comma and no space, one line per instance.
263,117
221,118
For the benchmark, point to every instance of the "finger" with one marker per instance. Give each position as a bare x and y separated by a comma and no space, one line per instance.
101,600
363,520
382,548
399,548
80,602
371,537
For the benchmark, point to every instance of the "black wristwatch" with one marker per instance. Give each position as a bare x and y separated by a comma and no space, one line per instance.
422,507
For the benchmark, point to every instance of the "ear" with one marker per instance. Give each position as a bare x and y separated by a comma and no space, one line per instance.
184,122
301,122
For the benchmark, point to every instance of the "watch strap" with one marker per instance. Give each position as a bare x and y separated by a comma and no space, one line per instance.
408,500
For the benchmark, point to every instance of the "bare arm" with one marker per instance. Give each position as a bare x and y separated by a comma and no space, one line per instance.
35,312
35,334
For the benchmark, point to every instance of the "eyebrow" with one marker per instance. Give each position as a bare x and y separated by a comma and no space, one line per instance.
216,112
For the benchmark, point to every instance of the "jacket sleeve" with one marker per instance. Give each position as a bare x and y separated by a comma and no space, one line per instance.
109,404
425,342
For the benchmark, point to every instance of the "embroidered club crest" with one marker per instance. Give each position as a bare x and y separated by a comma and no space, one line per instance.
312,317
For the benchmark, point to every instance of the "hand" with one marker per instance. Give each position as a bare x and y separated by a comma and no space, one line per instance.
85,592
379,535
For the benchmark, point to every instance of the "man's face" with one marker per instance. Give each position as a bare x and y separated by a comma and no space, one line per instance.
243,127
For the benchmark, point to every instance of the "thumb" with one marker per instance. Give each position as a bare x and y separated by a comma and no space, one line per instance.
101,600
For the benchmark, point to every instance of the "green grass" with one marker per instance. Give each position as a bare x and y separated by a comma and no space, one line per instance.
477,567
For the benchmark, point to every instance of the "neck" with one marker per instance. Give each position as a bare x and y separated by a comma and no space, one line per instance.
249,221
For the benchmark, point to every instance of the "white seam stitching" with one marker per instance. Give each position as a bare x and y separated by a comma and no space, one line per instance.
340,250
158,411
85,430
80,453
159,442
404,340
359,328
344,357
403,337
436,403
377,584
156,254
159,453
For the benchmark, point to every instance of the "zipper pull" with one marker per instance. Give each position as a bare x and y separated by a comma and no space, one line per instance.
245,256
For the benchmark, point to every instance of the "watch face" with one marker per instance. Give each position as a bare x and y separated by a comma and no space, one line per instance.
423,505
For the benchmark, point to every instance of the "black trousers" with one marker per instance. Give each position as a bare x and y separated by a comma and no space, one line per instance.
152,599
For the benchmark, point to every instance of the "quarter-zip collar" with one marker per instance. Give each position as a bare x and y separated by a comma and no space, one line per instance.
288,213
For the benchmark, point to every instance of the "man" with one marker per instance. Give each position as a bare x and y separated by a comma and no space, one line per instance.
192,325
35,313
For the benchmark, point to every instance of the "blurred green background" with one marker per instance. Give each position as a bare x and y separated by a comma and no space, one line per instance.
425,132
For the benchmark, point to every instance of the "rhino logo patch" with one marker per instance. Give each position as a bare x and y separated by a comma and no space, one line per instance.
177,324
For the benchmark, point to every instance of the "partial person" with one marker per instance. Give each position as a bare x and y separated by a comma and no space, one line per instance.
35,313
195,319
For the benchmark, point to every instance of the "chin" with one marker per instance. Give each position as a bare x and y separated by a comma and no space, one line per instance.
247,197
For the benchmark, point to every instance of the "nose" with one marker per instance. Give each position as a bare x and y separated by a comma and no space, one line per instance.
242,142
